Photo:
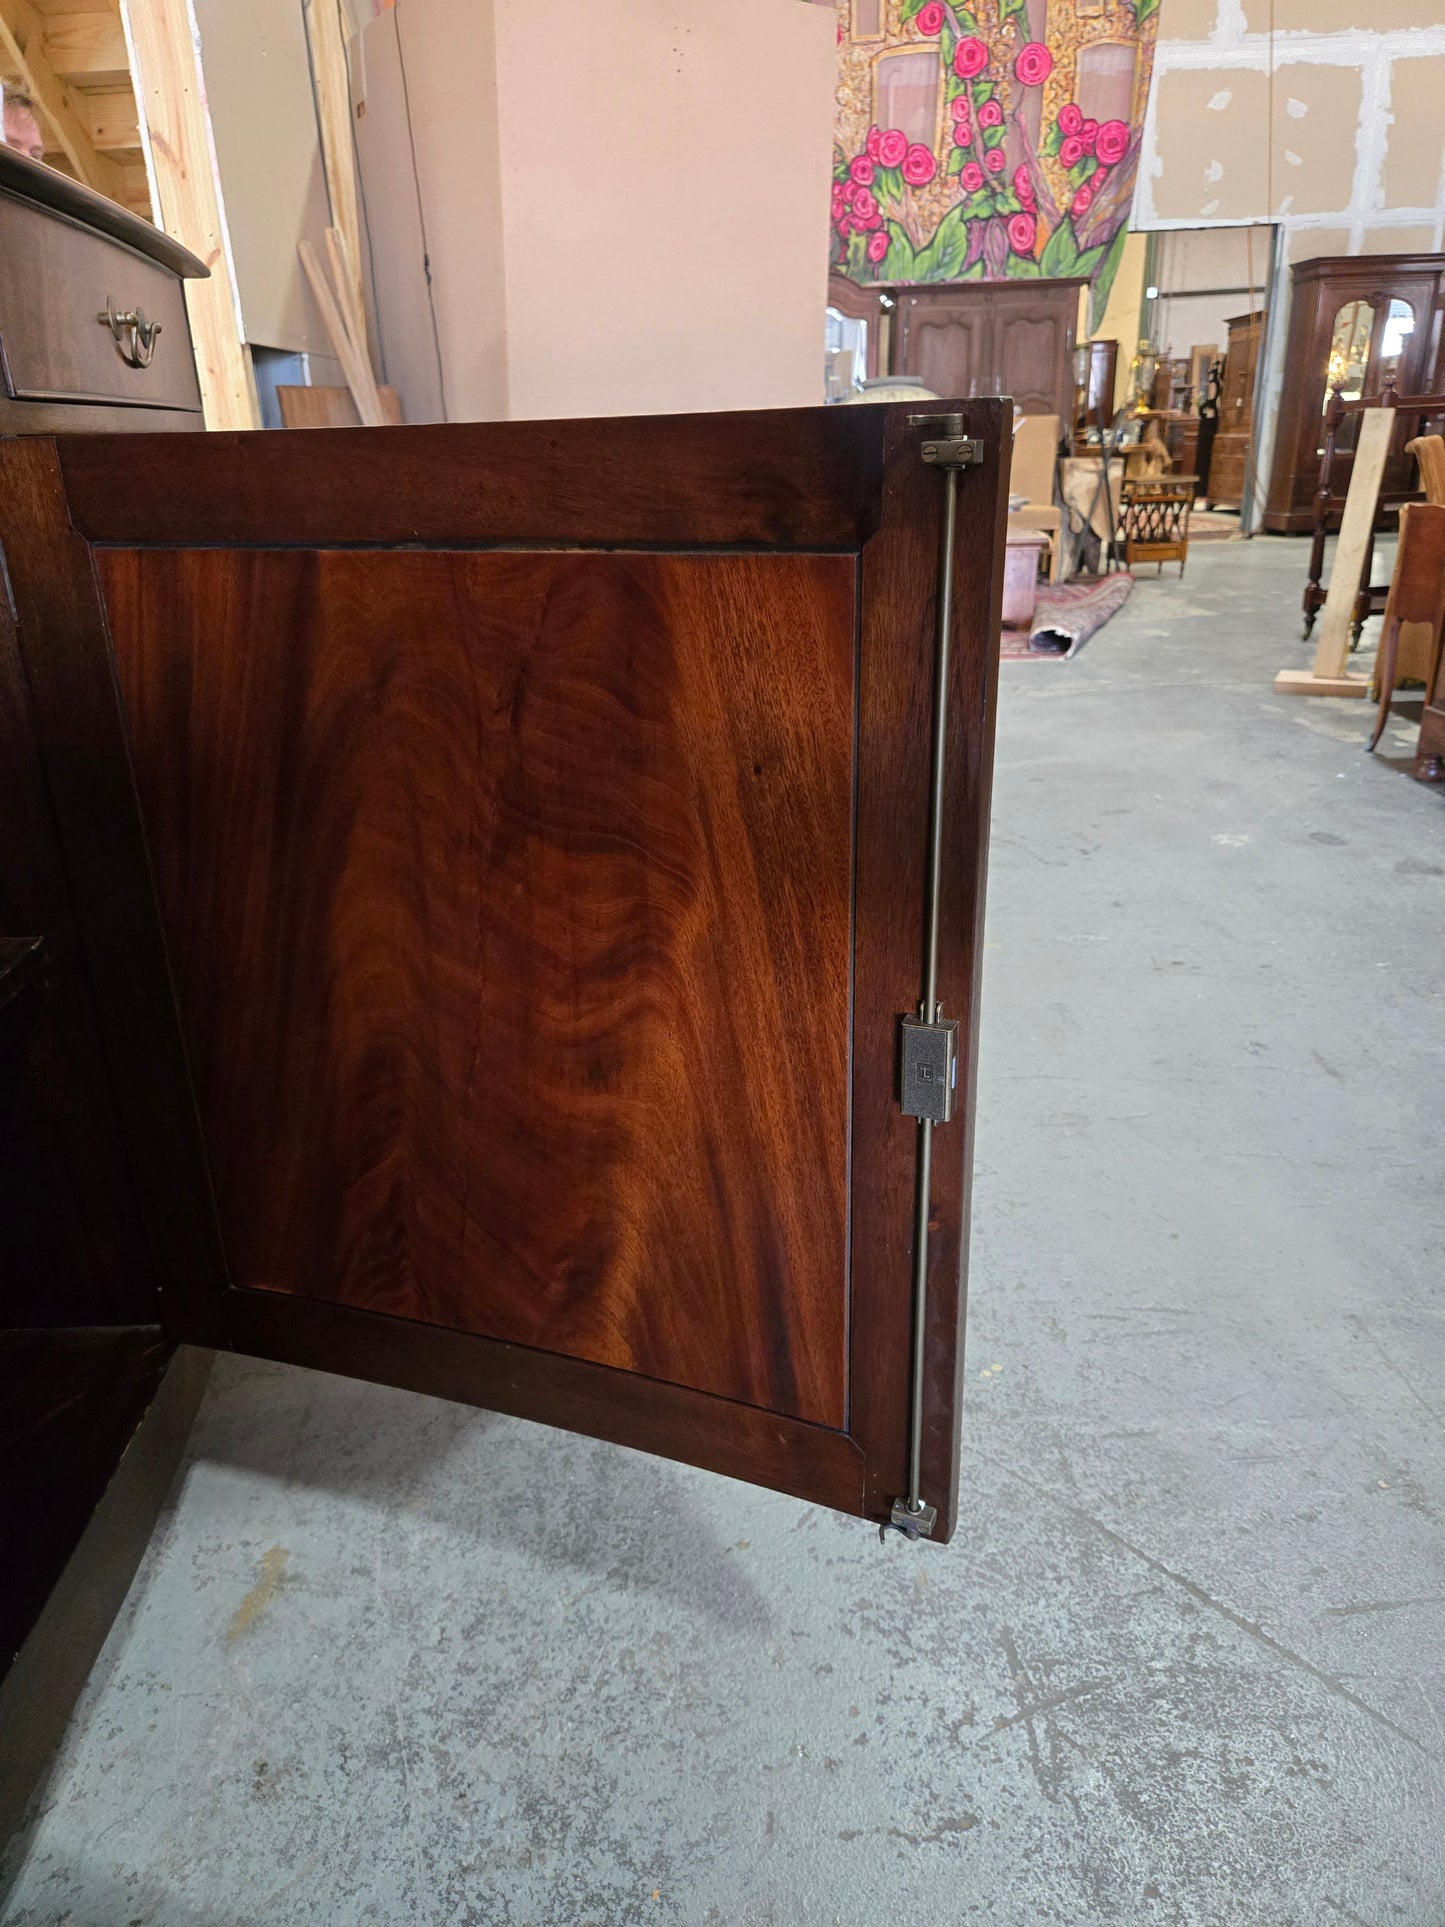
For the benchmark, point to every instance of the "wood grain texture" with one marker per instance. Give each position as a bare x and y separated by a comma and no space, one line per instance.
508,898
810,1461
392,631
771,479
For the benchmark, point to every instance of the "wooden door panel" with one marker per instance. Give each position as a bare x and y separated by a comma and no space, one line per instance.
503,850
1033,349
944,338
495,885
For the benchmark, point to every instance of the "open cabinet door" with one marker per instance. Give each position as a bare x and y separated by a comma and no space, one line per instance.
505,852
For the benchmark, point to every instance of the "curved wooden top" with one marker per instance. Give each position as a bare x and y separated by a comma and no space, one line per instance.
46,187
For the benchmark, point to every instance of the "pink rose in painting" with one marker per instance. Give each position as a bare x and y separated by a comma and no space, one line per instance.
1071,151
864,205
1088,134
1070,119
993,160
1083,200
850,189
1033,64
962,133
1023,184
1097,180
929,19
990,114
870,146
1021,231
845,226
959,107
971,175
1113,141
877,247
970,58
861,170
892,148
919,166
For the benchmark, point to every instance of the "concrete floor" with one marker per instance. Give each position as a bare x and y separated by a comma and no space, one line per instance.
1184,1666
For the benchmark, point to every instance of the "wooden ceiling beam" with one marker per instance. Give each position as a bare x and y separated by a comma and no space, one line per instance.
22,49
109,118
87,46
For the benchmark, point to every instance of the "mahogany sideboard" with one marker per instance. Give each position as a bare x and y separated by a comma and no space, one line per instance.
93,337
529,882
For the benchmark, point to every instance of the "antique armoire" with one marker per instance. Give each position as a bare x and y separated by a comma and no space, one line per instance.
975,337
1357,323
514,892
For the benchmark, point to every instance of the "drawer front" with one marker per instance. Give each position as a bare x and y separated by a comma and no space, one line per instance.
55,281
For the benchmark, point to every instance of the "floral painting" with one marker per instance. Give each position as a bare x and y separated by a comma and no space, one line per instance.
989,143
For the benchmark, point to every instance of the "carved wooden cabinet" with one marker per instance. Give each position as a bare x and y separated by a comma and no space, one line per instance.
1234,436
991,338
505,850
1356,323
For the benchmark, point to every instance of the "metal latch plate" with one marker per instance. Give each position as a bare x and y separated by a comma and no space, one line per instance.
957,451
929,1068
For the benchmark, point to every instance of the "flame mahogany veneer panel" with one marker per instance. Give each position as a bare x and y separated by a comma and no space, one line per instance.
508,903
531,819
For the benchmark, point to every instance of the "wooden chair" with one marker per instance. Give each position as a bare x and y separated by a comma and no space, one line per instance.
1429,452
1417,594
1031,473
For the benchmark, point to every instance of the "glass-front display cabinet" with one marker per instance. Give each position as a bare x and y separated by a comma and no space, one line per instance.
1357,324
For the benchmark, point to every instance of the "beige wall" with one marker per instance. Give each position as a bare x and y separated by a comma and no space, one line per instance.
263,119
1319,114
665,193
634,228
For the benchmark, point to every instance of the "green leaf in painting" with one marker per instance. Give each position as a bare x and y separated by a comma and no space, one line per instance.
1104,280
950,245
993,137
957,160
1061,251
1022,269
898,263
1052,142
973,272
1088,260
980,91
1144,10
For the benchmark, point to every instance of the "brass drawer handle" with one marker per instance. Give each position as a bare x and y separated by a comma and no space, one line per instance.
134,335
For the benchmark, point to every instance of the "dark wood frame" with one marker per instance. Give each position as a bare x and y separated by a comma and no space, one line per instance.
1319,287
1417,412
841,480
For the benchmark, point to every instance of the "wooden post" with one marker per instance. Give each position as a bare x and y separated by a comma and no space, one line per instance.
186,194
332,87
1328,677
